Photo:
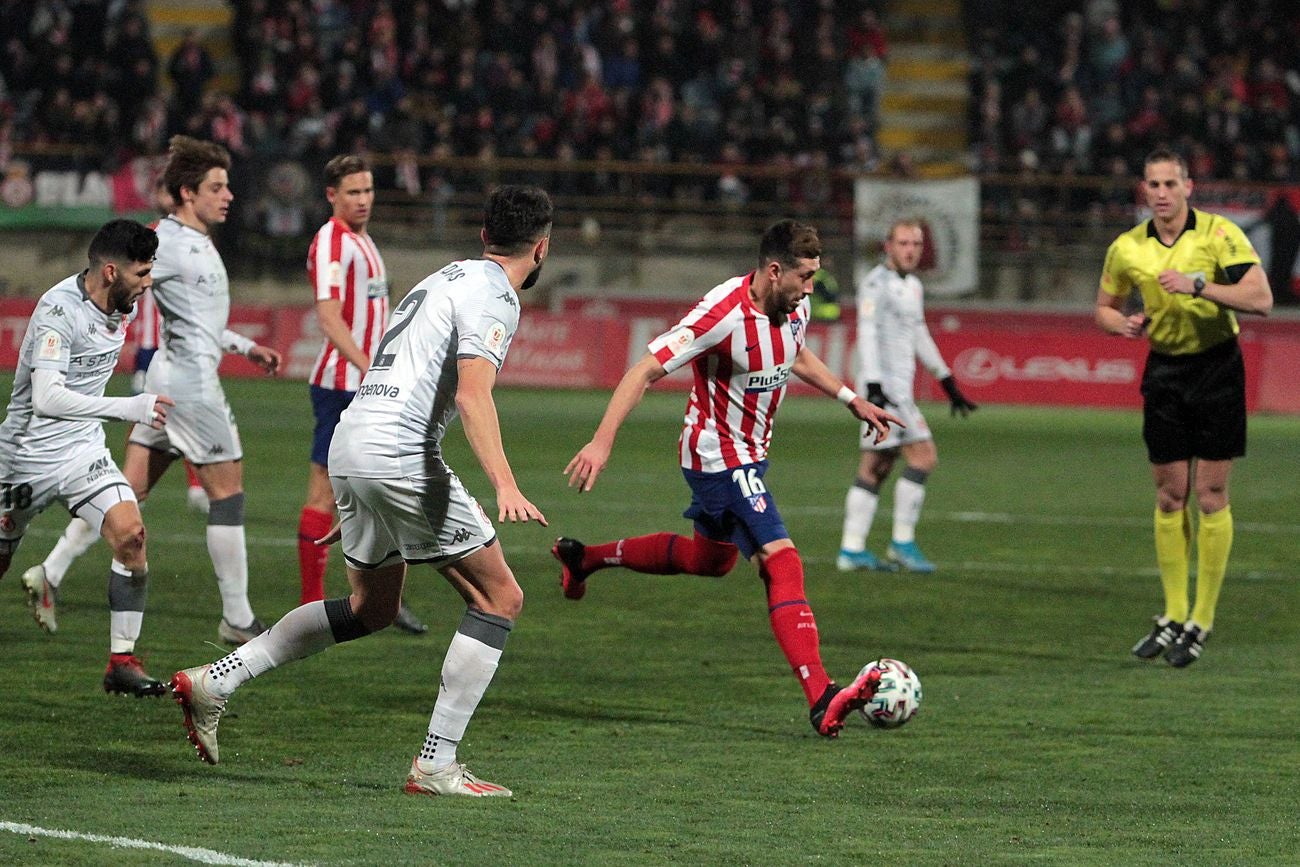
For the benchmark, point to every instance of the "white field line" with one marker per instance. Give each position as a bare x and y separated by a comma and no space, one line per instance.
193,853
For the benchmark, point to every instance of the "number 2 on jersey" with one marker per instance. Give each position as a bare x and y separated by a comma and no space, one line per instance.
402,317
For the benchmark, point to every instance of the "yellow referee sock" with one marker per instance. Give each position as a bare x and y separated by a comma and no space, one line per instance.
1213,544
1173,542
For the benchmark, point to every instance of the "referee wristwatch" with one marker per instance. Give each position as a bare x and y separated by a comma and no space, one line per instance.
1198,286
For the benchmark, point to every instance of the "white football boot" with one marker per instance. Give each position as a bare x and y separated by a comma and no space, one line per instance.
455,779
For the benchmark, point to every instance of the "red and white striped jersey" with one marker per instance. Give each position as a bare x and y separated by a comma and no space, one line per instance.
742,361
344,265
148,319
144,327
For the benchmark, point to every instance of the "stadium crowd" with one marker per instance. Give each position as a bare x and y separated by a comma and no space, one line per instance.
1090,86
575,79
1067,86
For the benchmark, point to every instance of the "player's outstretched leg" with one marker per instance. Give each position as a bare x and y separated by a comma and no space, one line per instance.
653,554
202,710
42,598
573,578
202,691
830,711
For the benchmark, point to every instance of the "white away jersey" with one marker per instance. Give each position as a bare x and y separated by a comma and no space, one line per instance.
394,426
741,361
346,266
892,334
69,334
192,291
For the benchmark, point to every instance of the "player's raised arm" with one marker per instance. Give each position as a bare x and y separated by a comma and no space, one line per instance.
812,370
478,414
591,459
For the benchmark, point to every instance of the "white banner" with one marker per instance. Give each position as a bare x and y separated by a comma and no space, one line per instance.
949,212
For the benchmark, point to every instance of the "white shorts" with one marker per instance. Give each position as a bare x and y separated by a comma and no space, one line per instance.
385,521
89,485
202,432
917,430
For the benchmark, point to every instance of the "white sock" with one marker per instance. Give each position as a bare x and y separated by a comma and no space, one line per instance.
908,498
467,669
859,512
123,630
230,561
127,589
76,539
302,632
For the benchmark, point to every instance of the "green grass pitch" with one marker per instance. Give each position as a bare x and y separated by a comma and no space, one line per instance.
655,721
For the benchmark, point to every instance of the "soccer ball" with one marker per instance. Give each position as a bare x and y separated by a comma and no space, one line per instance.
896,699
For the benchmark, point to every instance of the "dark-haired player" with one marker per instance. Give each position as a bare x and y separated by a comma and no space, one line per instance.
742,340
400,503
54,437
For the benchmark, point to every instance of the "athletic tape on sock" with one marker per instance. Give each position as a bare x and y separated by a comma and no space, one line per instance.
345,625
228,512
127,591
490,629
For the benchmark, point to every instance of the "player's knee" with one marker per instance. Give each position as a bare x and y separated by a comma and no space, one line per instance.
507,601
1212,498
926,465
710,557
128,543
1170,500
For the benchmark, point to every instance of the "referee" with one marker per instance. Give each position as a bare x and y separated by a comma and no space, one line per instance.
1193,272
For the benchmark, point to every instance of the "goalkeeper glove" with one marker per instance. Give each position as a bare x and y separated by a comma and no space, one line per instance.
958,401
876,395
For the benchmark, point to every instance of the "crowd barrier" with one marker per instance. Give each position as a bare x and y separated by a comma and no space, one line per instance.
998,357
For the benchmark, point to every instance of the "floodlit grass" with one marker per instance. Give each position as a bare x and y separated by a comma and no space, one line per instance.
655,721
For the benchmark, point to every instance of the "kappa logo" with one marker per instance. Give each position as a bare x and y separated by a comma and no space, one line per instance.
91,330
56,310
218,449
509,299
461,535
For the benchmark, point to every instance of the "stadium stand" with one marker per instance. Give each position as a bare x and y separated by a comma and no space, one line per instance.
667,114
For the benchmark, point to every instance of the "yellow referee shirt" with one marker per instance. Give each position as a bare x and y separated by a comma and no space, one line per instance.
1207,246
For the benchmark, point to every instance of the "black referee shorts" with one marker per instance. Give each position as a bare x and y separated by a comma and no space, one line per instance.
1194,406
